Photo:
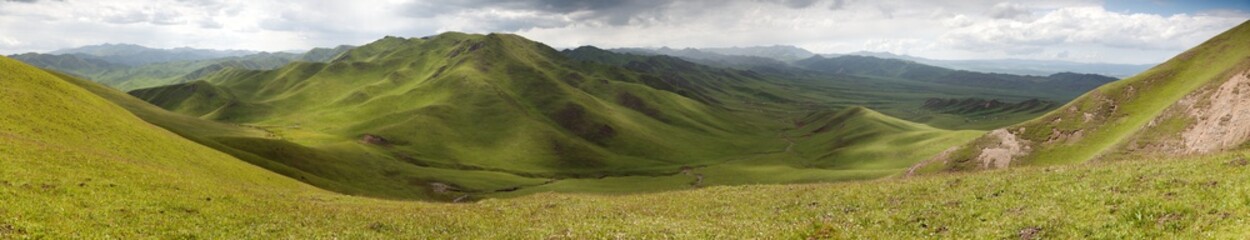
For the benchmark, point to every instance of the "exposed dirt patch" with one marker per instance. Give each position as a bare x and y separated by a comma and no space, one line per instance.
1065,136
1030,233
1221,123
439,187
7,230
374,139
1000,155
1239,162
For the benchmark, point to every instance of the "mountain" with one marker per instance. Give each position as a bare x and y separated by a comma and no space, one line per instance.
103,69
745,57
756,63
1018,66
324,54
134,55
462,116
779,52
1192,104
78,155
76,152
986,107
1060,85
80,65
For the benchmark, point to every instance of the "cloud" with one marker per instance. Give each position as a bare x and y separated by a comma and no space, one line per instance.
1009,10
937,29
1084,25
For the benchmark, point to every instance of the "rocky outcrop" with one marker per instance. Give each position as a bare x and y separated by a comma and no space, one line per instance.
1222,121
1006,148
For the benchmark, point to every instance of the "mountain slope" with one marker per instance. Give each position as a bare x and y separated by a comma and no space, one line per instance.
1061,86
1187,105
535,118
1018,66
135,55
74,161
161,72
519,94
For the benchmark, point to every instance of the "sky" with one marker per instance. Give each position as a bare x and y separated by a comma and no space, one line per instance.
1111,31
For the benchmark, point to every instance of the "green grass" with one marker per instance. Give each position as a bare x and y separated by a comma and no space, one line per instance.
75,162
1122,109
486,113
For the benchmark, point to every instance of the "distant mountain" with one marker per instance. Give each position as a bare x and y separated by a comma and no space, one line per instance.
324,54
80,65
982,106
1063,85
1018,66
134,55
779,52
711,58
108,70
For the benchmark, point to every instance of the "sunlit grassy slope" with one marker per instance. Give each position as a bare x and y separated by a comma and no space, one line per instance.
76,166
461,116
1102,121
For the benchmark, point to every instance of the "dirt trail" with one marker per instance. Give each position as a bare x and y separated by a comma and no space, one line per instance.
942,157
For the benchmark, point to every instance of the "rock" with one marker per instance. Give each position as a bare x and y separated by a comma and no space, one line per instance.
373,139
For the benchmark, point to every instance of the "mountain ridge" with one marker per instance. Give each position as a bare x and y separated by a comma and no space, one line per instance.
1145,115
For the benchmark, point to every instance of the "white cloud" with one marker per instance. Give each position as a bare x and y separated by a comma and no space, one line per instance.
936,29
1090,25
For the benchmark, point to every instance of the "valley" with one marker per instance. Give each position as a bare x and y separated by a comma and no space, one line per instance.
621,120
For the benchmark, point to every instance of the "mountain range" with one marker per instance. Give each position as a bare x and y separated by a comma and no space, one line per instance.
376,141
747,57
127,67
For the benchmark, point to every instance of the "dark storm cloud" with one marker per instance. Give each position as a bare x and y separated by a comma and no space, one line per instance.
607,12
796,3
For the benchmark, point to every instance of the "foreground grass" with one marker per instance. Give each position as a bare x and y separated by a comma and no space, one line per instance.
1196,198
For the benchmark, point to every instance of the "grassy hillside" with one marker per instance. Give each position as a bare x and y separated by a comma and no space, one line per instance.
1060,86
123,178
460,116
895,87
1138,113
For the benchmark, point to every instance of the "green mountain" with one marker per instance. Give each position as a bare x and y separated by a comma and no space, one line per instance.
459,116
103,68
135,55
264,146
755,63
780,52
1060,86
1017,66
324,54
76,160
1188,105
897,87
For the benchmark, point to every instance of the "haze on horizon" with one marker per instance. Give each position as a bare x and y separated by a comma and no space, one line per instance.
1119,31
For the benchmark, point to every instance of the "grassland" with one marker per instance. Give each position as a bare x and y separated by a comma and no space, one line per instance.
1104,121
78,166
500,116
84,161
